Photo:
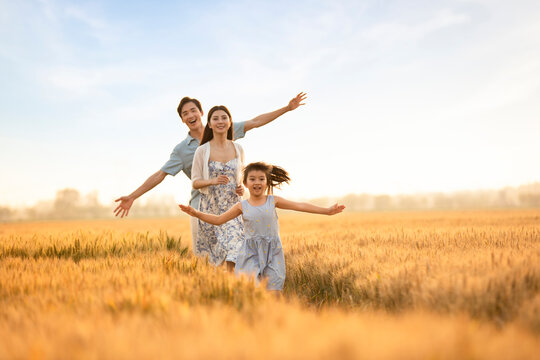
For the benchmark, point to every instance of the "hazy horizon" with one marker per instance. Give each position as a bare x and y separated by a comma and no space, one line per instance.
403,98
152,196
72,204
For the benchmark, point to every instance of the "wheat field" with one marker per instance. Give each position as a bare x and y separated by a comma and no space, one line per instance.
417,285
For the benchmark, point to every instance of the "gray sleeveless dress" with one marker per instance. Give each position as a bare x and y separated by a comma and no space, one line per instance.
261,253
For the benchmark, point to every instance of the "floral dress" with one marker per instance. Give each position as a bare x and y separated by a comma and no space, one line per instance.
220,242
261,254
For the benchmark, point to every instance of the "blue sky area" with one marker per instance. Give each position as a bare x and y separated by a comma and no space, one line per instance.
404,96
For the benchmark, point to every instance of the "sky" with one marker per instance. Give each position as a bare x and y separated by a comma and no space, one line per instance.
403,96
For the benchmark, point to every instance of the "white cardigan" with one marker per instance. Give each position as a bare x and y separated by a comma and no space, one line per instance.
199,169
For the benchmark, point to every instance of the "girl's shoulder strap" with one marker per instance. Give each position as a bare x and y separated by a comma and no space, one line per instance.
271,200
244,204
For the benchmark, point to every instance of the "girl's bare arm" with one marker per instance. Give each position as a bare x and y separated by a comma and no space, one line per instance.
282,203
230,214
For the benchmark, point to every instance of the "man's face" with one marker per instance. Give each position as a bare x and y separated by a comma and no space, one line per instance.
191,116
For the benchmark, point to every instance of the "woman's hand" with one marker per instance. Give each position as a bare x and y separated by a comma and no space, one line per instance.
239,190
335,209
297,101
220,180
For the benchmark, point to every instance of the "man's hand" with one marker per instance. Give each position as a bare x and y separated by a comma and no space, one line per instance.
297,101
126,201
239,190
264,119
123,208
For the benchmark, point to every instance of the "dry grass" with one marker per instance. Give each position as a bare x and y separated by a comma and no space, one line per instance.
389,285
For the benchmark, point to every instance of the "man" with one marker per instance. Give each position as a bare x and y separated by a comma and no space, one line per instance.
190,111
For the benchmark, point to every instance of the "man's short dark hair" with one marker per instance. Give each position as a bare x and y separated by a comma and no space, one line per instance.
186,100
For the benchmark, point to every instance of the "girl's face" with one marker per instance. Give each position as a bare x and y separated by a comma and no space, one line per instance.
256,183
219,122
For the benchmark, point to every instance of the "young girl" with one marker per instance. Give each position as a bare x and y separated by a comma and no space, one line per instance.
261,253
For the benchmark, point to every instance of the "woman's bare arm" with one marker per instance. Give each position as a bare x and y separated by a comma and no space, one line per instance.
200,183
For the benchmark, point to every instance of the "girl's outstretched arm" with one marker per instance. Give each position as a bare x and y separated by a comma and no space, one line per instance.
214,219
282,203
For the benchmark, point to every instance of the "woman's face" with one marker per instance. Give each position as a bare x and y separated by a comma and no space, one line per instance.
256,182
219,122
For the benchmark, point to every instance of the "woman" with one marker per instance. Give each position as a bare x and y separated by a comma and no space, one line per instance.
216,172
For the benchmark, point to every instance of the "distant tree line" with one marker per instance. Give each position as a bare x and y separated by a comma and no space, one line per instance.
70,204
525,196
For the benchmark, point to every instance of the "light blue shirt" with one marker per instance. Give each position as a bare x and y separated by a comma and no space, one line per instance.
182,158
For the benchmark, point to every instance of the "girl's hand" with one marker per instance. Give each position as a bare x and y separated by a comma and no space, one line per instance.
221,180
297,101
335,209
188,210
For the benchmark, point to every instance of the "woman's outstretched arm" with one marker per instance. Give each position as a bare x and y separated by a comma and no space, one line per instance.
230,214
282,203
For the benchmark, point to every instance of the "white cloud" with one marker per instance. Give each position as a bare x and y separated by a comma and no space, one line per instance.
392,32
94,24
510,85
84,81
48,9
74,81
83,16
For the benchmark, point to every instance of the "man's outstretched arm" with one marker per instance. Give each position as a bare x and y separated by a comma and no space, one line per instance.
126,201
268,117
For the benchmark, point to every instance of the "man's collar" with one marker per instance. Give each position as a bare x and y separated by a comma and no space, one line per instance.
190,138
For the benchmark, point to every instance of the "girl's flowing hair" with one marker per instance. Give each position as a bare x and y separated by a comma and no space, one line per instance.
275,175
208,134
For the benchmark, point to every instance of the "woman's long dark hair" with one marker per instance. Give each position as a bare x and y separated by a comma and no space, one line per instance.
275,175
208,134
